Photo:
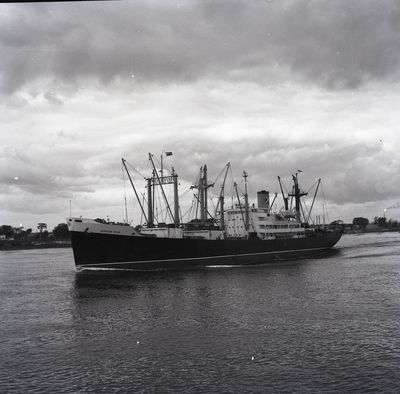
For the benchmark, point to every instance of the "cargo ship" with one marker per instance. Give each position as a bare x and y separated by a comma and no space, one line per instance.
237,235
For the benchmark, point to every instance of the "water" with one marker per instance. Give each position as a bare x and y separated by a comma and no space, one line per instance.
325,325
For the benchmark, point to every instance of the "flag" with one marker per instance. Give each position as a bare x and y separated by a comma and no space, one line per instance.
168,153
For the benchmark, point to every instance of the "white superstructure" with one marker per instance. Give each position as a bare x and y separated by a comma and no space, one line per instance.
263,223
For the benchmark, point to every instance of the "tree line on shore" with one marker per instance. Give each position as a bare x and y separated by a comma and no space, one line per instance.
9,232
379,221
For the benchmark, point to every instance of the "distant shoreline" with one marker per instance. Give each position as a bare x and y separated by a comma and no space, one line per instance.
6,245
384,230
24,244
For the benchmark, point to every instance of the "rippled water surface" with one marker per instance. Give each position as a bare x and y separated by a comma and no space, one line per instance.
325,325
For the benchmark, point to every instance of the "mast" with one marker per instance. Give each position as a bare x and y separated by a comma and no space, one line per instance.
246,201
221,200
201,195
297,195
222,217
150,222
153,191
162,189
202,198
176,197
205,201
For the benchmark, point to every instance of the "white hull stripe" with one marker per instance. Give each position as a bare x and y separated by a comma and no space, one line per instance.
202,258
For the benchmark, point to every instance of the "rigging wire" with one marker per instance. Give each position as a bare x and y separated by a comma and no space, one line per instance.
180,214
312,187
190,210
277,193
165,209
324,202
220,174
167,212
232,191
180,208
156,215
213,205
158,162
291,200
124,181
284,186
187,212
306,210
302,211
135,169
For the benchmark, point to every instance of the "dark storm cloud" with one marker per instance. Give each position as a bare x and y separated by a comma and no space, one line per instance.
332,43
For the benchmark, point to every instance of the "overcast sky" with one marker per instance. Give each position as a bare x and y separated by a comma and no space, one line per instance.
271,86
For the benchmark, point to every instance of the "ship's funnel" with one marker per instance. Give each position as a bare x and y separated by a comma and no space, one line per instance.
263,199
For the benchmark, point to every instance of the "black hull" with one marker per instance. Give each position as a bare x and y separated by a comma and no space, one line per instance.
93,250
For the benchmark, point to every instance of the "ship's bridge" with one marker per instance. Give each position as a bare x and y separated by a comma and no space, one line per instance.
262,222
